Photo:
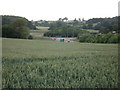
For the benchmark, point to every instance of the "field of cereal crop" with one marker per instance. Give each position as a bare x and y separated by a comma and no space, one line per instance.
52,64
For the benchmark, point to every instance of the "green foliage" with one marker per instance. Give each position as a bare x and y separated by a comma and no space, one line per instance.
7,20
8,31
49,64
57,24
113,39
43,23
99,38
104,25
67,31
30,37
17,29
20,26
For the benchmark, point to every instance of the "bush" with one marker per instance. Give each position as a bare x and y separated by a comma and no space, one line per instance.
30,37
113,39
100,38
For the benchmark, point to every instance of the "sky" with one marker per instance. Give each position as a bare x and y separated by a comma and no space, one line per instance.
55,9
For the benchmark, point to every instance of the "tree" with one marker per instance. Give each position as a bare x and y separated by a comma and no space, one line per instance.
75,22
8,31
65,19
21,29
79,19
17,29
60,19
7,20
89,26
83,19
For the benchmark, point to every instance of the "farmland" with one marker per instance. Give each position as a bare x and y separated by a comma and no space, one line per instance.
51,64
38,34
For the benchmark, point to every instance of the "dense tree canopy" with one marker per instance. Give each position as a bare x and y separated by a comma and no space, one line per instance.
7,20
66,31
16,28
100,38
104,25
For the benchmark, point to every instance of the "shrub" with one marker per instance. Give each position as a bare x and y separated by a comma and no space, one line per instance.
100,38
30,37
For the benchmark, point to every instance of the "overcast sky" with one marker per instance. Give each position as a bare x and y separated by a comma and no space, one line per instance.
55,9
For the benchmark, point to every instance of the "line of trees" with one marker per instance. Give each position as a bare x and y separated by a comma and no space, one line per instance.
100,38
66,31
104,25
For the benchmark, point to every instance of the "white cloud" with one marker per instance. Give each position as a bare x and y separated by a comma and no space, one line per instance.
54,9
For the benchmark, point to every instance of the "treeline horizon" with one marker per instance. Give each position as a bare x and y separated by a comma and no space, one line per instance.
19,27
105,25
59,18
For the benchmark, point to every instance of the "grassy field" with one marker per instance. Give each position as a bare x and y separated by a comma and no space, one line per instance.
51,64
38,34
91,30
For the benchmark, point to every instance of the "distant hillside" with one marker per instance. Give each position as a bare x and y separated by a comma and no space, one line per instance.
105,25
